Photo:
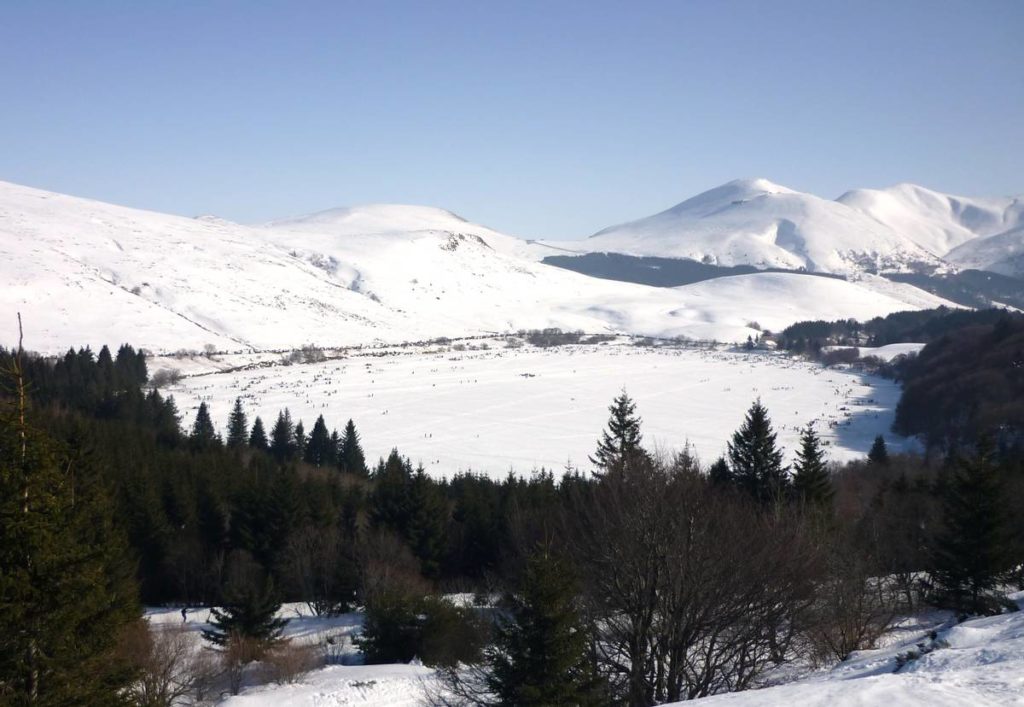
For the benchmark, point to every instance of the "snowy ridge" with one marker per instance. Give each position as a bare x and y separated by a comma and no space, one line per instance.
86,272
756,222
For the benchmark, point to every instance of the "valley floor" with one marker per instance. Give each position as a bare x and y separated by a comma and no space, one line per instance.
459,407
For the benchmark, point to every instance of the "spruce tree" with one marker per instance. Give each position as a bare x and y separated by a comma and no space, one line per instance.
333,449
238,426
203,434
619,445
719,473
66,591
427,522
168,421
811,482
249,612
350,455
970,556
318,447
299,441
282,437
540,656
258,436
879,454
755,459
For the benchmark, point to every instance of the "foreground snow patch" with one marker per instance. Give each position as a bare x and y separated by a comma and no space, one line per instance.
378,685
983,665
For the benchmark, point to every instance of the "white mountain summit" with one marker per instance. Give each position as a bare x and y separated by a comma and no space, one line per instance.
756,222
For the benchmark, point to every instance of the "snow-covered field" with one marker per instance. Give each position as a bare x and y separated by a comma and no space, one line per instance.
522,409
982,666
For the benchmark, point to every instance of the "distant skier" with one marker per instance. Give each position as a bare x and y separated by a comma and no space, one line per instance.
184,615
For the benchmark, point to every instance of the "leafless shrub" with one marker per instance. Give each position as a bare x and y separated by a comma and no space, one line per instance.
388,568
552,336
852,608
239,651
312,354
318,569
165,377
287,662
172,669
690,591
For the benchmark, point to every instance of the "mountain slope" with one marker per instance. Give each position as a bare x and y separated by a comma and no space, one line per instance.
755,222
1002,253
85,272
937,222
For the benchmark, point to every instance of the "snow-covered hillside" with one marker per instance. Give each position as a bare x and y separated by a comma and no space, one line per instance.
755,222
981,664
1002,253
937,222
85,272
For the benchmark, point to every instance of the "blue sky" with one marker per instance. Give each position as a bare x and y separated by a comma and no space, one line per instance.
542,119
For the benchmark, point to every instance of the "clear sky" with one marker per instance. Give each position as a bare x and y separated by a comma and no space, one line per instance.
541,119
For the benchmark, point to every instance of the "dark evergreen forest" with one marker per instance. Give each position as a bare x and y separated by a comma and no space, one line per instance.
627,572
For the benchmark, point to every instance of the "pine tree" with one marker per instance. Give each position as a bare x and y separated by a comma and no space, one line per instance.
811,482
203,435
105,364
238,426
250,612
540,656
168,421
970,556
755,459
299,442
619,445
66,591
350,455
879,454
719,473
333,449
282,437
318,447
427,522
258,436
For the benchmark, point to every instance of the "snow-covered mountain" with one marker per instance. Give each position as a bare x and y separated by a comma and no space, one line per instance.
1002,253
755,222
86,272
937,222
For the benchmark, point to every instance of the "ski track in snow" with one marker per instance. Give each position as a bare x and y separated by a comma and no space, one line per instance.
523,409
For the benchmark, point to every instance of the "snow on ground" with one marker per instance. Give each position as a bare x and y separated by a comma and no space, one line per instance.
343,682
756,222
983,665
87,273
376,685
522,409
